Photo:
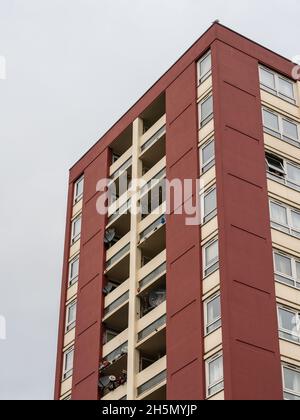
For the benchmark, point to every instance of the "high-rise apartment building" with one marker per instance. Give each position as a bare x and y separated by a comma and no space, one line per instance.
158,305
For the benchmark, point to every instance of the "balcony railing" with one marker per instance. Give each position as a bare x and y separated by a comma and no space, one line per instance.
152,327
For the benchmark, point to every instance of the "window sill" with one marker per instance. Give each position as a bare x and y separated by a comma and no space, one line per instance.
205,276
213,331
291,142
281,181
290,341
208,397
285,233
291,101
287,285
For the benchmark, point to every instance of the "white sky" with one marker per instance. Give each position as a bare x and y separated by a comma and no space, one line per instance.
73,68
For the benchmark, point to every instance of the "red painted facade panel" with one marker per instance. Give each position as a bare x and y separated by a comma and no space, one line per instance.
189,389
184,305
245,247
88,339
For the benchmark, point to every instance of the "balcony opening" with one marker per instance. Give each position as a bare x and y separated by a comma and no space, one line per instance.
154,276
121,144
152,350
153,245
117,268
153,113
153,296
120,182
113,370
153,194
117,230
153,150
116,319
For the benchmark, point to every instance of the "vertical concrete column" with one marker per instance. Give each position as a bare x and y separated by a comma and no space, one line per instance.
135,262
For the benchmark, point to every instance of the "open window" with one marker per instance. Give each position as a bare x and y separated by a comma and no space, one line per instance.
275,165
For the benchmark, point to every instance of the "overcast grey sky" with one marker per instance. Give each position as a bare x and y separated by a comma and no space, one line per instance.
73,68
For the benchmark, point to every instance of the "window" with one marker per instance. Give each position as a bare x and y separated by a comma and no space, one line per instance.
71,316
211,257
205,111
285,218
283,171
289,324
214,375
204,68
275,165
209,205
271,122
287,269
73,271
277,84
293,175
207,156
281,127
78,190
68,363
76,230
212,314
290,130
291,382
267,79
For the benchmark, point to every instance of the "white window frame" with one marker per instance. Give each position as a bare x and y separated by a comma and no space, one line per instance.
74,279
78,196
276,91
284,178
209,386
286,390
280,133
205,166
202,78
205,218
67,373
289,228
283,333
215,324
213,266
202,123
279,276
75,238
70,324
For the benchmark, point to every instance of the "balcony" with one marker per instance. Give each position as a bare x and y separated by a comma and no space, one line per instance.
120,184
153,113
116,314
121,165
151,329
149,273
153,295
119,147
117,260
152,379
118,209
153,244
113,368
117,229
153,145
